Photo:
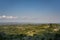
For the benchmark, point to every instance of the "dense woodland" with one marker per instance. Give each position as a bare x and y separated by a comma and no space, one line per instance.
30,32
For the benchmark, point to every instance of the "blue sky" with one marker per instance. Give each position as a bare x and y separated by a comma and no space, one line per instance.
34,11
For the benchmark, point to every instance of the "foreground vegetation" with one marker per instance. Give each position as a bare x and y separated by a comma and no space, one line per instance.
30,32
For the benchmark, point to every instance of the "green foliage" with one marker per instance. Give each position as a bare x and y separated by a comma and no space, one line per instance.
42,30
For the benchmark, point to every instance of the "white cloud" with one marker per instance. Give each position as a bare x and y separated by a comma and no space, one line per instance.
15,17
29,19
8,17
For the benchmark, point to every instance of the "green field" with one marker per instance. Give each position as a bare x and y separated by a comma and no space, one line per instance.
19,31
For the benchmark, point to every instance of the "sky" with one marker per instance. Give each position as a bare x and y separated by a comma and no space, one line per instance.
31,11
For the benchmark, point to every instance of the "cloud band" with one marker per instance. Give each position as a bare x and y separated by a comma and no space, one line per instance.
8,17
